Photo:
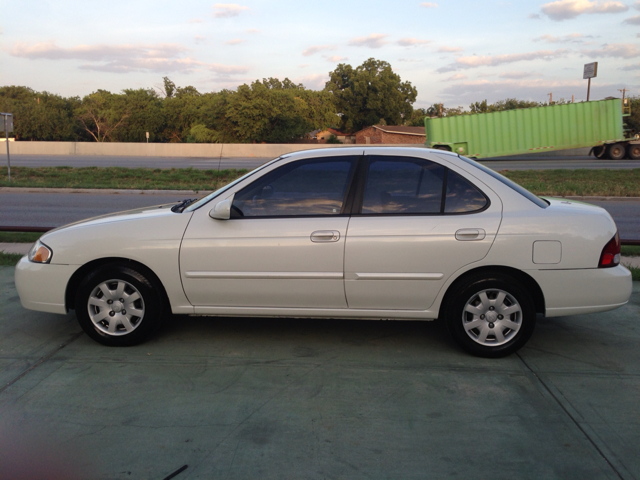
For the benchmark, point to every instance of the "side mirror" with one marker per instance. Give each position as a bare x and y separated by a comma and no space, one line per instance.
222,210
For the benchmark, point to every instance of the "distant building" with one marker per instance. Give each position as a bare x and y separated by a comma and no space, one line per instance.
324,135
394,134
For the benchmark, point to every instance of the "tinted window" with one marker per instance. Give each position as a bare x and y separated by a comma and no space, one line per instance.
462,196
306,187
402,185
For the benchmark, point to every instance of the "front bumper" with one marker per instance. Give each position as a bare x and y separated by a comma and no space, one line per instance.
573,292
42,286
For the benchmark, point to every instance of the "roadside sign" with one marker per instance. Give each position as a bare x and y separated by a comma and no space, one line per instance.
590,70
8,121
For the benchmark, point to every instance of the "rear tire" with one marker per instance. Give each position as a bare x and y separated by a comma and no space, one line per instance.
633,151
490,315
119,306
616,151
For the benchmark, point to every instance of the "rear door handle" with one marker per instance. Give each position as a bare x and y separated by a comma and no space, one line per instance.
325,236
468,234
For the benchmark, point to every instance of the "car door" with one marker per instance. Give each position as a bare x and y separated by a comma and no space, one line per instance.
419,221
283,245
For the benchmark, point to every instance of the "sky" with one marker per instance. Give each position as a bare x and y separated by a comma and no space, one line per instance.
453,51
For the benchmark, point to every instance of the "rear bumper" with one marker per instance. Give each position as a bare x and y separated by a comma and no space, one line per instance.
42,287
573,292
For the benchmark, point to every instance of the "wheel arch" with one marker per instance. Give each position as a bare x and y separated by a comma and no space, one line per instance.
84,270
527,281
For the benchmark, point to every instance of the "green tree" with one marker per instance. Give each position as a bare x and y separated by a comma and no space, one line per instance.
364,95
40,115
101,114
144,113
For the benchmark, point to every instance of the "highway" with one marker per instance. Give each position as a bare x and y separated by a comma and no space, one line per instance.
55,209
523,162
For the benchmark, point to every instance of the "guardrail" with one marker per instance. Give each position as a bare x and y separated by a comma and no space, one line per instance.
19,229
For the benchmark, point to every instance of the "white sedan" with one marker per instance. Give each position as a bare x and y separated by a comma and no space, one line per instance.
367,233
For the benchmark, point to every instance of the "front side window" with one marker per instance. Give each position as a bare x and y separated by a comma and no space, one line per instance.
306,187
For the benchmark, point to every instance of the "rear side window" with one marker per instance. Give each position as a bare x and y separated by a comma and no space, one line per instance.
405,185
303,188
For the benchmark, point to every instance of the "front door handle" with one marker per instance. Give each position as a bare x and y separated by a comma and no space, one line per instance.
468,234
325,236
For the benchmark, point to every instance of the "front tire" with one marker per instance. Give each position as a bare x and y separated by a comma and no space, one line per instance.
117,305
616,151
490,315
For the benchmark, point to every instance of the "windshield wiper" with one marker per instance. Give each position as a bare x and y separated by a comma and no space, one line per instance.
179,207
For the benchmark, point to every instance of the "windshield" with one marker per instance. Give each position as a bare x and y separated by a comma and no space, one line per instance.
204,200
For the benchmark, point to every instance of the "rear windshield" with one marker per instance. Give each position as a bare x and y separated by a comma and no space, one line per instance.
522,191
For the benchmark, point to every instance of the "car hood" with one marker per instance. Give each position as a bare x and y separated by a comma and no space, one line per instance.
135,214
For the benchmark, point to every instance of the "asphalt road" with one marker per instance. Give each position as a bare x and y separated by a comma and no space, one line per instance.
55,209
247,398
524,162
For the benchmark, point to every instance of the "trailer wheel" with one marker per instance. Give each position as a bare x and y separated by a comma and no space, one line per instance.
633,151
616,151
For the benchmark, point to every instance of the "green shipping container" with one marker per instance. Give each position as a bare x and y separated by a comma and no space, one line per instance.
528,130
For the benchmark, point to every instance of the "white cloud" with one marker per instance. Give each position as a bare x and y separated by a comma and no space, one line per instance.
571,38
519,75
616,50
253,30
227,69
375,40
315,81
162,57
228,9
534,16
631,67
523,89
458,76
633,20
567,9
335,58
429,5
475,61
412,42
636,5
200,39
196,20
317,48
235,41
446,49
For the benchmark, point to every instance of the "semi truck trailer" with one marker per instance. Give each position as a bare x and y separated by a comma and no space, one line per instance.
597,125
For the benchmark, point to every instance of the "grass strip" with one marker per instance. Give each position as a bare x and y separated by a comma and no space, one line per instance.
9,259
119,178
584,182
630,251
635,273
615,183
19,237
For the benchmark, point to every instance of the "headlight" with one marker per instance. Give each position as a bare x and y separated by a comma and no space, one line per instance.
40,253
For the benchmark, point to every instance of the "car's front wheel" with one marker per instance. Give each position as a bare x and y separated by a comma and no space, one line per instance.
117,305
490,315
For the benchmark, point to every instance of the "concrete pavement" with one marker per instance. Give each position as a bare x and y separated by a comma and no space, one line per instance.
271,398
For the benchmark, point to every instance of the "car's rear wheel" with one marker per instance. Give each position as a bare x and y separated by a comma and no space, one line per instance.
490,315
117,305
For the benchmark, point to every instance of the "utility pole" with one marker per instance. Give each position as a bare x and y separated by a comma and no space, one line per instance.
550,98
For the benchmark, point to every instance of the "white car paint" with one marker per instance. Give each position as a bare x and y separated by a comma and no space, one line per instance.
377,267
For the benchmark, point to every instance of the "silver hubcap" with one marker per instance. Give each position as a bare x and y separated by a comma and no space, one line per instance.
116,307
492,317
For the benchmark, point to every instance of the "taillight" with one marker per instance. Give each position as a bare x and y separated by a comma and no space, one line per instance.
610,256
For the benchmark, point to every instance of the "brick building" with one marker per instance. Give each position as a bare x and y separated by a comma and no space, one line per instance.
393,134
